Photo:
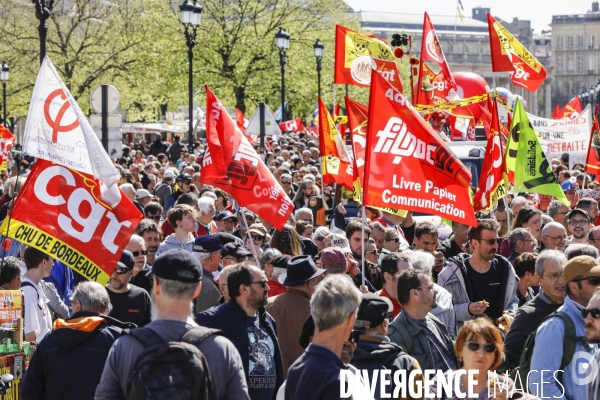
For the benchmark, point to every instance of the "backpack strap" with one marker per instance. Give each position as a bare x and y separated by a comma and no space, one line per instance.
146,336
197,334
409,344
571,339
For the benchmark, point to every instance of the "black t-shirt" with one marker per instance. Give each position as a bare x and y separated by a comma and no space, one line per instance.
488,287
262,373
132,306
409,232
143,280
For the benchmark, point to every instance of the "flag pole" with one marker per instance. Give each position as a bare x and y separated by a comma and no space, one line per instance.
248,233
362,258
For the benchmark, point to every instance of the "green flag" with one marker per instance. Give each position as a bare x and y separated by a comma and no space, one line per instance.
533,173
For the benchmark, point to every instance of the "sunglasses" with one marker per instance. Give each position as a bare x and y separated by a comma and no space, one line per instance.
307,222
121,271
262,282
491,242
354,336
286,182
475,346
393,240
257,237
320,238
594,311
592,280
154,217
137,253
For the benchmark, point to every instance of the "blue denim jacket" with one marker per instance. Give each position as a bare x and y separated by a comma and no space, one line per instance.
547,355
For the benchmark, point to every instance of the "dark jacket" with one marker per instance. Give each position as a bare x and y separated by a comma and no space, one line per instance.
373,353
174,150
449,248
230,318
68,362
157,147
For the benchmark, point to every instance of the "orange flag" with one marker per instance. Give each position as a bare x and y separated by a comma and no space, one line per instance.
592,162
336,164
510,55
556,112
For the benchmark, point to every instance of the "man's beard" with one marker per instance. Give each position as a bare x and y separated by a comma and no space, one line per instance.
257,301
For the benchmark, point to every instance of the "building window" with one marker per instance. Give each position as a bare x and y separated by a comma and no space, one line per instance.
569,41
580,63
591,64
580,41
559,41
569,88
569,63
559,64
591,42
465,49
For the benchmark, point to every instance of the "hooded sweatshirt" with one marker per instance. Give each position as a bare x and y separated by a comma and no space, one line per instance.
445,310
171,243
68,362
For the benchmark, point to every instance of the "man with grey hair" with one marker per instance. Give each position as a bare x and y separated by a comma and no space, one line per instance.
81,342
554,236
316,374
577,249
176,280
139,273
520,241
518,203
549,267
206,225
557,211
304,214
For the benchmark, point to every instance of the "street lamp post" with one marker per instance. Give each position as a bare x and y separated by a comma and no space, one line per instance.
282,40
191,13
4,73
319,48
43,8
592,97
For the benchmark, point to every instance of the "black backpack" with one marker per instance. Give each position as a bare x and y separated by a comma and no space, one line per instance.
170,370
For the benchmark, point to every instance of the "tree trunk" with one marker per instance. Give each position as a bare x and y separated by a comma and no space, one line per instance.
240,95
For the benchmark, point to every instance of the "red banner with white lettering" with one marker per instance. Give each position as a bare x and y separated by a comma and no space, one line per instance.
592,162
60,212
409,166
232,164
358,116
294,125
241,120
6,141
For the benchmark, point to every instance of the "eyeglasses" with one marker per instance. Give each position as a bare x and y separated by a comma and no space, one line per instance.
320,238
286,182
262,282
557,237
309,222
393,240
475,346
594,311
154,217
554,277
578,222
121,271
137,253
257,237
592,280
491,242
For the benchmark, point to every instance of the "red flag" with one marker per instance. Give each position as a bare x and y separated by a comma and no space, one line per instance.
231,163
435,81
409,166
592,161
294,125
241,120
556,112
336,164
486,120
571,110
510,55
358,116
6,141
492,185
60,212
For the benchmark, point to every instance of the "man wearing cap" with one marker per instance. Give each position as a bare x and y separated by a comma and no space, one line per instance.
374,351
226,221
176,280
334,261
291,308
164,190
579,225
143,197
250,328
209,251
130,303
234,253
392,266
258,234
581,276
437,121
184,182
569,189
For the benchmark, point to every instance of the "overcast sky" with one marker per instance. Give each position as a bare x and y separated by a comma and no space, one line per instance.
539,12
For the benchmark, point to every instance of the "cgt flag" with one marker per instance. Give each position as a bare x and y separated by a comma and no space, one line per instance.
336,163
510,55
6,141
294,125
409,166
532,171
492,182
571,110
231,163
60,212
592,162
241,120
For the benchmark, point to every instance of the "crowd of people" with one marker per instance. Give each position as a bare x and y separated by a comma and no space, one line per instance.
208,299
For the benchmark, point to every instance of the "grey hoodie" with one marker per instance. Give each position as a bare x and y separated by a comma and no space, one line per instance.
171,243
444,310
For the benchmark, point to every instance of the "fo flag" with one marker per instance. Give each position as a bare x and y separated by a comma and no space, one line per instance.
592,162
336,163
355,55
571,110
510,55
6,141
409,166
435,81
231,163
57,130
60,212
492,182
294,125
524,155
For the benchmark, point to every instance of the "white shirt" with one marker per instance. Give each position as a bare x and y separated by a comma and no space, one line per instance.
37,313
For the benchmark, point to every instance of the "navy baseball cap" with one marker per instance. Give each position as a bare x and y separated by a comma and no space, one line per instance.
177,265
226,214
127,260
208,244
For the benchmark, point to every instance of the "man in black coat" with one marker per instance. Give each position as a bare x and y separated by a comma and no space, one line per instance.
68,362
158,146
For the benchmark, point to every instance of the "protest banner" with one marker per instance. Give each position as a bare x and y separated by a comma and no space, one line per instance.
60,212
294,125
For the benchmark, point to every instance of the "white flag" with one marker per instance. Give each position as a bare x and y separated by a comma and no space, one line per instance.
57,131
